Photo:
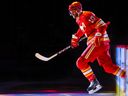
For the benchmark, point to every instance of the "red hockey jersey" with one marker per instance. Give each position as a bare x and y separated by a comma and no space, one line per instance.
89,25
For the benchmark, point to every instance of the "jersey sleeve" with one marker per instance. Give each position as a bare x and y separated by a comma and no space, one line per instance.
79,33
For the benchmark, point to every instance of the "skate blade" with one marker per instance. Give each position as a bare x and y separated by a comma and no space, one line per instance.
98,87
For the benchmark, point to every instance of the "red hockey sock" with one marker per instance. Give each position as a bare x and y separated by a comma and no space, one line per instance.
120,72
88,73
123,74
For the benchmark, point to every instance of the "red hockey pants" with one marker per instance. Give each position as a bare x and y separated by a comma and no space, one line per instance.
100,53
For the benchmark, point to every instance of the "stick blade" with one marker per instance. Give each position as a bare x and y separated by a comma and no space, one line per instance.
39,56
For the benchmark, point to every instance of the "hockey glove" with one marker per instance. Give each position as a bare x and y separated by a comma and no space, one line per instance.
97,39
74,41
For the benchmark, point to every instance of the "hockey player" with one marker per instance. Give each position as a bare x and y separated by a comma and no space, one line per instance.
94,28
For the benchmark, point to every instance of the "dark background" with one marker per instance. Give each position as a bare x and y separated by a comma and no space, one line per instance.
46,27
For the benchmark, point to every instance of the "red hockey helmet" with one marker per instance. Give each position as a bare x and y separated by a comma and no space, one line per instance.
75,9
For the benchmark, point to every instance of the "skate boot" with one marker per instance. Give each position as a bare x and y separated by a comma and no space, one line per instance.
94,86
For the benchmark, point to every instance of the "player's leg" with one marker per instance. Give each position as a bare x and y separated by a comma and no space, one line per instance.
85,68
106,62
82,64
87,71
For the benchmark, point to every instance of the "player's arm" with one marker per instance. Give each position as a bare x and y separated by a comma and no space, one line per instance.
100,27
76,37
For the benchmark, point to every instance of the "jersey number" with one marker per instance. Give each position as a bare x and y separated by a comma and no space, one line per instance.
92,19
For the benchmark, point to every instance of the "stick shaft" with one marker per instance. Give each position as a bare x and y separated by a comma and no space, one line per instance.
43,58
68,47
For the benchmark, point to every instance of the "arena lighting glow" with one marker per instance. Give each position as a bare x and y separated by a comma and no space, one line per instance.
61,94
122,61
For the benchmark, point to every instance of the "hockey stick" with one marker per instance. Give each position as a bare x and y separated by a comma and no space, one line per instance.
43,58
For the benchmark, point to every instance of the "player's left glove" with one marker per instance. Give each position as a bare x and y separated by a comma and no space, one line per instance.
97,39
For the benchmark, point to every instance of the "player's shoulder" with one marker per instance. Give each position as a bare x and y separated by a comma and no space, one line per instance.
88,13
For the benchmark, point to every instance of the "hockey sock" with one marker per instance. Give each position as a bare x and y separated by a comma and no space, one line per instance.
88,73
120,72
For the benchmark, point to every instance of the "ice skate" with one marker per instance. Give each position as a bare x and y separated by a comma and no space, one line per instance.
94,87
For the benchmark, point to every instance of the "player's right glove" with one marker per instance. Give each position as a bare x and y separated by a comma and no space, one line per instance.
74,41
